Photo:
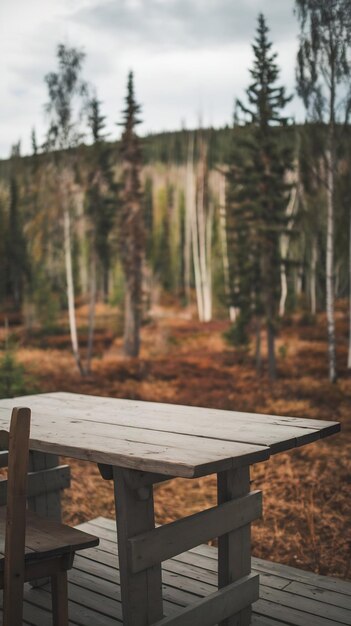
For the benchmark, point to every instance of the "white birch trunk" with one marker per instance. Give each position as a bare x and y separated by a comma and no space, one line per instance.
204,234
208,282
284,249
195,250
70,285
81,230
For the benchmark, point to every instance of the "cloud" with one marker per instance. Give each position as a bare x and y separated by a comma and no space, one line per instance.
169,24
189,57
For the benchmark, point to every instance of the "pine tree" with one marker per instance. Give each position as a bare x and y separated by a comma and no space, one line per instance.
101,210
257,193
131,222
34,142
96,121
101,195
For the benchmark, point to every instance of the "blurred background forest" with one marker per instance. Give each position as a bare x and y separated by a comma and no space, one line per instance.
205,266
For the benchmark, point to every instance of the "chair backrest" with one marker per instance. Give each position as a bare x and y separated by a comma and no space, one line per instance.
17,443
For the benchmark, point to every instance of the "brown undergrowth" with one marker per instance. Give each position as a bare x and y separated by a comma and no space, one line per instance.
307,504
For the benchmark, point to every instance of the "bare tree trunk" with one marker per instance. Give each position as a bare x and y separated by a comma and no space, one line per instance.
105,283
131,340
349,354
330,264
92,302
313,289
272,369
192,220
196,256
299,280
224,244
204,221
81,230
267,260
188,215
208,284
70,286
258,355
284,249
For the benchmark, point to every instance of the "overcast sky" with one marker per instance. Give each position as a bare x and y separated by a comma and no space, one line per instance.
190,57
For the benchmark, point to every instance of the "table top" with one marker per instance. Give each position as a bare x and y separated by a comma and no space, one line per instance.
164,438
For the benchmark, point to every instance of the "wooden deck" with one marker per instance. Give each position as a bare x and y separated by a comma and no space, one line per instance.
288,596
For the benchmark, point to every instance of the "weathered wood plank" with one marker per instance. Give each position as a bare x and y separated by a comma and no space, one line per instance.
166,541
171,411
217,606
234,548
14,524
174,455
276,432
142,591
308,605
272,574
291,616
316,593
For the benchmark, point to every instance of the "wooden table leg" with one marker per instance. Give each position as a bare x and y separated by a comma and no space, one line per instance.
234,548
141,592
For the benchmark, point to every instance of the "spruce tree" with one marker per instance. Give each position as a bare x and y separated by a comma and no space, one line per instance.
101,194
33,138
131,222
101,209
257,193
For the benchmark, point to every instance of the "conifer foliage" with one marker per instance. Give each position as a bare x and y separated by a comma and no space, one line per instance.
131,222
257,193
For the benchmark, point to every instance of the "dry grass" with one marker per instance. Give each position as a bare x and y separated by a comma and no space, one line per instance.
307,503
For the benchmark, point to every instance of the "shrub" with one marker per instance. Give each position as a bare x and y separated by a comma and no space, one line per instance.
13,378
237,334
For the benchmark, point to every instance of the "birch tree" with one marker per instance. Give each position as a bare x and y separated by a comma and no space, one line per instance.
323,75
200,214
67,92
285,238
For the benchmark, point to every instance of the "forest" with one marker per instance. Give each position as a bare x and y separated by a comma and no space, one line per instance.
201,266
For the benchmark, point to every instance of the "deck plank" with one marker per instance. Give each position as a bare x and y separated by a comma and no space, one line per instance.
288,596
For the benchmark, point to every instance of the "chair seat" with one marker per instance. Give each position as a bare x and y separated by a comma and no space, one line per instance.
46,538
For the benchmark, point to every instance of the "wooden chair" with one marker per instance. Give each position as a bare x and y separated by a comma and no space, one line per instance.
34,547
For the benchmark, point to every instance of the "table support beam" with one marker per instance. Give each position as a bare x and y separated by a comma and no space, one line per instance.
141,592
234,548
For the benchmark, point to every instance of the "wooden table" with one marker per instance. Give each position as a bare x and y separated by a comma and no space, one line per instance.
138,444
